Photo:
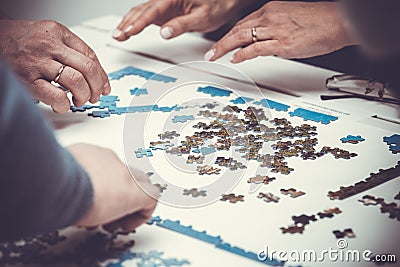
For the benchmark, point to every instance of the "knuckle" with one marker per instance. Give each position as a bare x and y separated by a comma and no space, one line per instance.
242,35
76,78
90,67
258,48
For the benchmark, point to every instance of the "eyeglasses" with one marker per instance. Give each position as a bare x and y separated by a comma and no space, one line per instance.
358,87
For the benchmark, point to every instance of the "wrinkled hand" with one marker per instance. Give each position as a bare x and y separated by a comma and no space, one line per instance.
118,199
288,30
176,17
37,49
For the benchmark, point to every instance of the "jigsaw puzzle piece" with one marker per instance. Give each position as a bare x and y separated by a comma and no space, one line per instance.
182,118
138,91
241,100
312,115
141,152
393,142
214,91
352,139
270,104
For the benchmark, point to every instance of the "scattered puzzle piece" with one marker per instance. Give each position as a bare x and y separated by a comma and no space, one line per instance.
207,150
195,159
161,145
392,208
138,91
312,115
214,91
207,170
292,192
194,192
141,152
183,118
232,198
352,139
268,197
393,142
168,135
272,105
148,75
293,229
370,200
260,179
303,219
161,187
329,213
346,233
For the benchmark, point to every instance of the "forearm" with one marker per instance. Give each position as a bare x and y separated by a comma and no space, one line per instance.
42,188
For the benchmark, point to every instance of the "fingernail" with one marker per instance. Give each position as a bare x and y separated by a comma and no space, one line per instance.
167,32
116,34
128,28
232,59
210,53
106,85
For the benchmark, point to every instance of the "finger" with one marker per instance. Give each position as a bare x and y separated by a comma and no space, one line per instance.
265,48
123,31
87,67
101,77
241,38
147,15
51,95
182,24
133,221
71,80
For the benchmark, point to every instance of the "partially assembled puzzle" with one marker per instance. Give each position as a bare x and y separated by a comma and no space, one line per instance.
230,156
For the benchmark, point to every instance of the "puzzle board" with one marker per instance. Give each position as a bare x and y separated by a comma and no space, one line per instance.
280,198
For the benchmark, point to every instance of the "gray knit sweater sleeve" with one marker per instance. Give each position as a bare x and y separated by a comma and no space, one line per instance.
42,187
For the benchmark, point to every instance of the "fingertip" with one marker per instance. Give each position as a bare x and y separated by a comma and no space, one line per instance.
117,34
107,88
209,55
167,32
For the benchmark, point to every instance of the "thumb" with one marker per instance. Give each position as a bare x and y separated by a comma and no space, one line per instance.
181,24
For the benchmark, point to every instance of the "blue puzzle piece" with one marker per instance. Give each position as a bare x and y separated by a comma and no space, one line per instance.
109,98
138,91
82,108
189,231
207,150
352,139
241,100
196,150
214,91
393,142
217,241
183,118
99,114
312,115
141,152
154,219
148,75
272,104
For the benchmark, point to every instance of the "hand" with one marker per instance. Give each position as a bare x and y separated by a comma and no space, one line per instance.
117,196
38,49
177,16
286,29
